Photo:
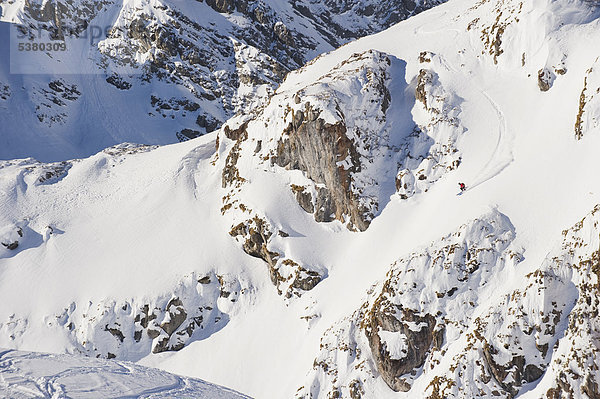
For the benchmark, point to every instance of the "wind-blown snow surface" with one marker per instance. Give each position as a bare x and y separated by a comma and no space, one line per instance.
37,375
143,253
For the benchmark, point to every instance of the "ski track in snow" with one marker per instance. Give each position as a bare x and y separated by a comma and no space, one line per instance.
501,156
189,168
36,375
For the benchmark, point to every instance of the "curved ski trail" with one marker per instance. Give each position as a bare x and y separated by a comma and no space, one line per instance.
502,155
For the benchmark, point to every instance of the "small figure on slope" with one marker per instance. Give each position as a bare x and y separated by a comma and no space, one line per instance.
462,186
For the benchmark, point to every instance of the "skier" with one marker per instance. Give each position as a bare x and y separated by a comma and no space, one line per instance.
462,186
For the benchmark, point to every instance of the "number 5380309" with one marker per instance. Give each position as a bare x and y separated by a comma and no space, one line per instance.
28,46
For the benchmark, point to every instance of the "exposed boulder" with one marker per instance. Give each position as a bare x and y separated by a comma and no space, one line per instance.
293,279
284,34
5,91
115,332
208,123
256,233
231,174
177,316
513,368
118,82
545,79
424,79
304,198
10,236
188,134
239,133
415,330
288,276
12,246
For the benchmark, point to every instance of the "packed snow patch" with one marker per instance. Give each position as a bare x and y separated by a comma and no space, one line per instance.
33,375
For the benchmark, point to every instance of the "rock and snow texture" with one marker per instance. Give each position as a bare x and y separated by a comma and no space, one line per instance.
588,117
38,375
158,313
407,331
315,247
435,325
431,149
335,133
180,68
410,320
352,140
574,366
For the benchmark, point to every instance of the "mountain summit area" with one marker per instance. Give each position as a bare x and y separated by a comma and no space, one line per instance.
265,195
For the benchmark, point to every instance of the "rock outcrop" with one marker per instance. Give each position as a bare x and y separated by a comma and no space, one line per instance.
545,79
443,332
10,236
196,309
588,117
417,336
317,148
340,147
288,276
413,317
499,17
431,150
52,102
575,362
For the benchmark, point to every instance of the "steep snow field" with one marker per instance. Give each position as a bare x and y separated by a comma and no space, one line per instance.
135,227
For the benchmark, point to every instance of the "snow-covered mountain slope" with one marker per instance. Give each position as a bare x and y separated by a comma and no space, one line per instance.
156,72
38,375
316,246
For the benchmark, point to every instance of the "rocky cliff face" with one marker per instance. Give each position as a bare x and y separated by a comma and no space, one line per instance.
335,156
587,115
341,132
334,147
405,327
445,334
